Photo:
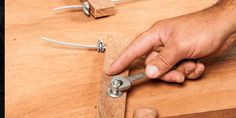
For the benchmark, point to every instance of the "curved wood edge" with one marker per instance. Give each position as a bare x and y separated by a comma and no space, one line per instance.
111,107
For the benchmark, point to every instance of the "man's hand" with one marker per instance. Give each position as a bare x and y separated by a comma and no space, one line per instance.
190,36
144,112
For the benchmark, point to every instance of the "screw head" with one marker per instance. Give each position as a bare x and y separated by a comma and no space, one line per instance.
114,94
86,8
116,84
101,46
114,91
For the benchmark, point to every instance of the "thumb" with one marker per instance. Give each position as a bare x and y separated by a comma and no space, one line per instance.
163,62
144,112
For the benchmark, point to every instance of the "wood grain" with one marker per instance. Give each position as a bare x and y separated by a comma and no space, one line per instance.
123,1
83,0
101,8
45,80
109,107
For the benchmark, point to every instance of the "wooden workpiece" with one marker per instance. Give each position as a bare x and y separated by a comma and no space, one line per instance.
109,107
44,80
101,8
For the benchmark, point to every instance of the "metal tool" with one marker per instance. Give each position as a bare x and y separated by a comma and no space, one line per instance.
100,47
85,7
119,84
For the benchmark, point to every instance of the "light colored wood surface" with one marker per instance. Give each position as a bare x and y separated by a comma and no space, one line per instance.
101,8
109,107
46,80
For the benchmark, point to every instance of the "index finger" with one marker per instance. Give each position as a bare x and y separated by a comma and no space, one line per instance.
139,47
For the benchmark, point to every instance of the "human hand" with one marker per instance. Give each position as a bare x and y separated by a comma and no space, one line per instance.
190,36
145,112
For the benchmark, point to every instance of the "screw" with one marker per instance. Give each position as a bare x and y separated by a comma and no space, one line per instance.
101,46
114,91
86,8
116,84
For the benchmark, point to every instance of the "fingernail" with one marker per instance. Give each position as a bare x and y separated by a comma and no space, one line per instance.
199,71
152,71
181,80
145,113
188,70
150,110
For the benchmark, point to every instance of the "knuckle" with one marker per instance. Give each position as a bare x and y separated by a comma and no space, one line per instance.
163,61
181,48
200,69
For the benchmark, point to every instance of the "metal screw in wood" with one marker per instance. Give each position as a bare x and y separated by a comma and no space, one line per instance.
85,7
114,91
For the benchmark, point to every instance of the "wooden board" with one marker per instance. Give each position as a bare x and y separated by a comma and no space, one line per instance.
109,107
101,8
46,80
